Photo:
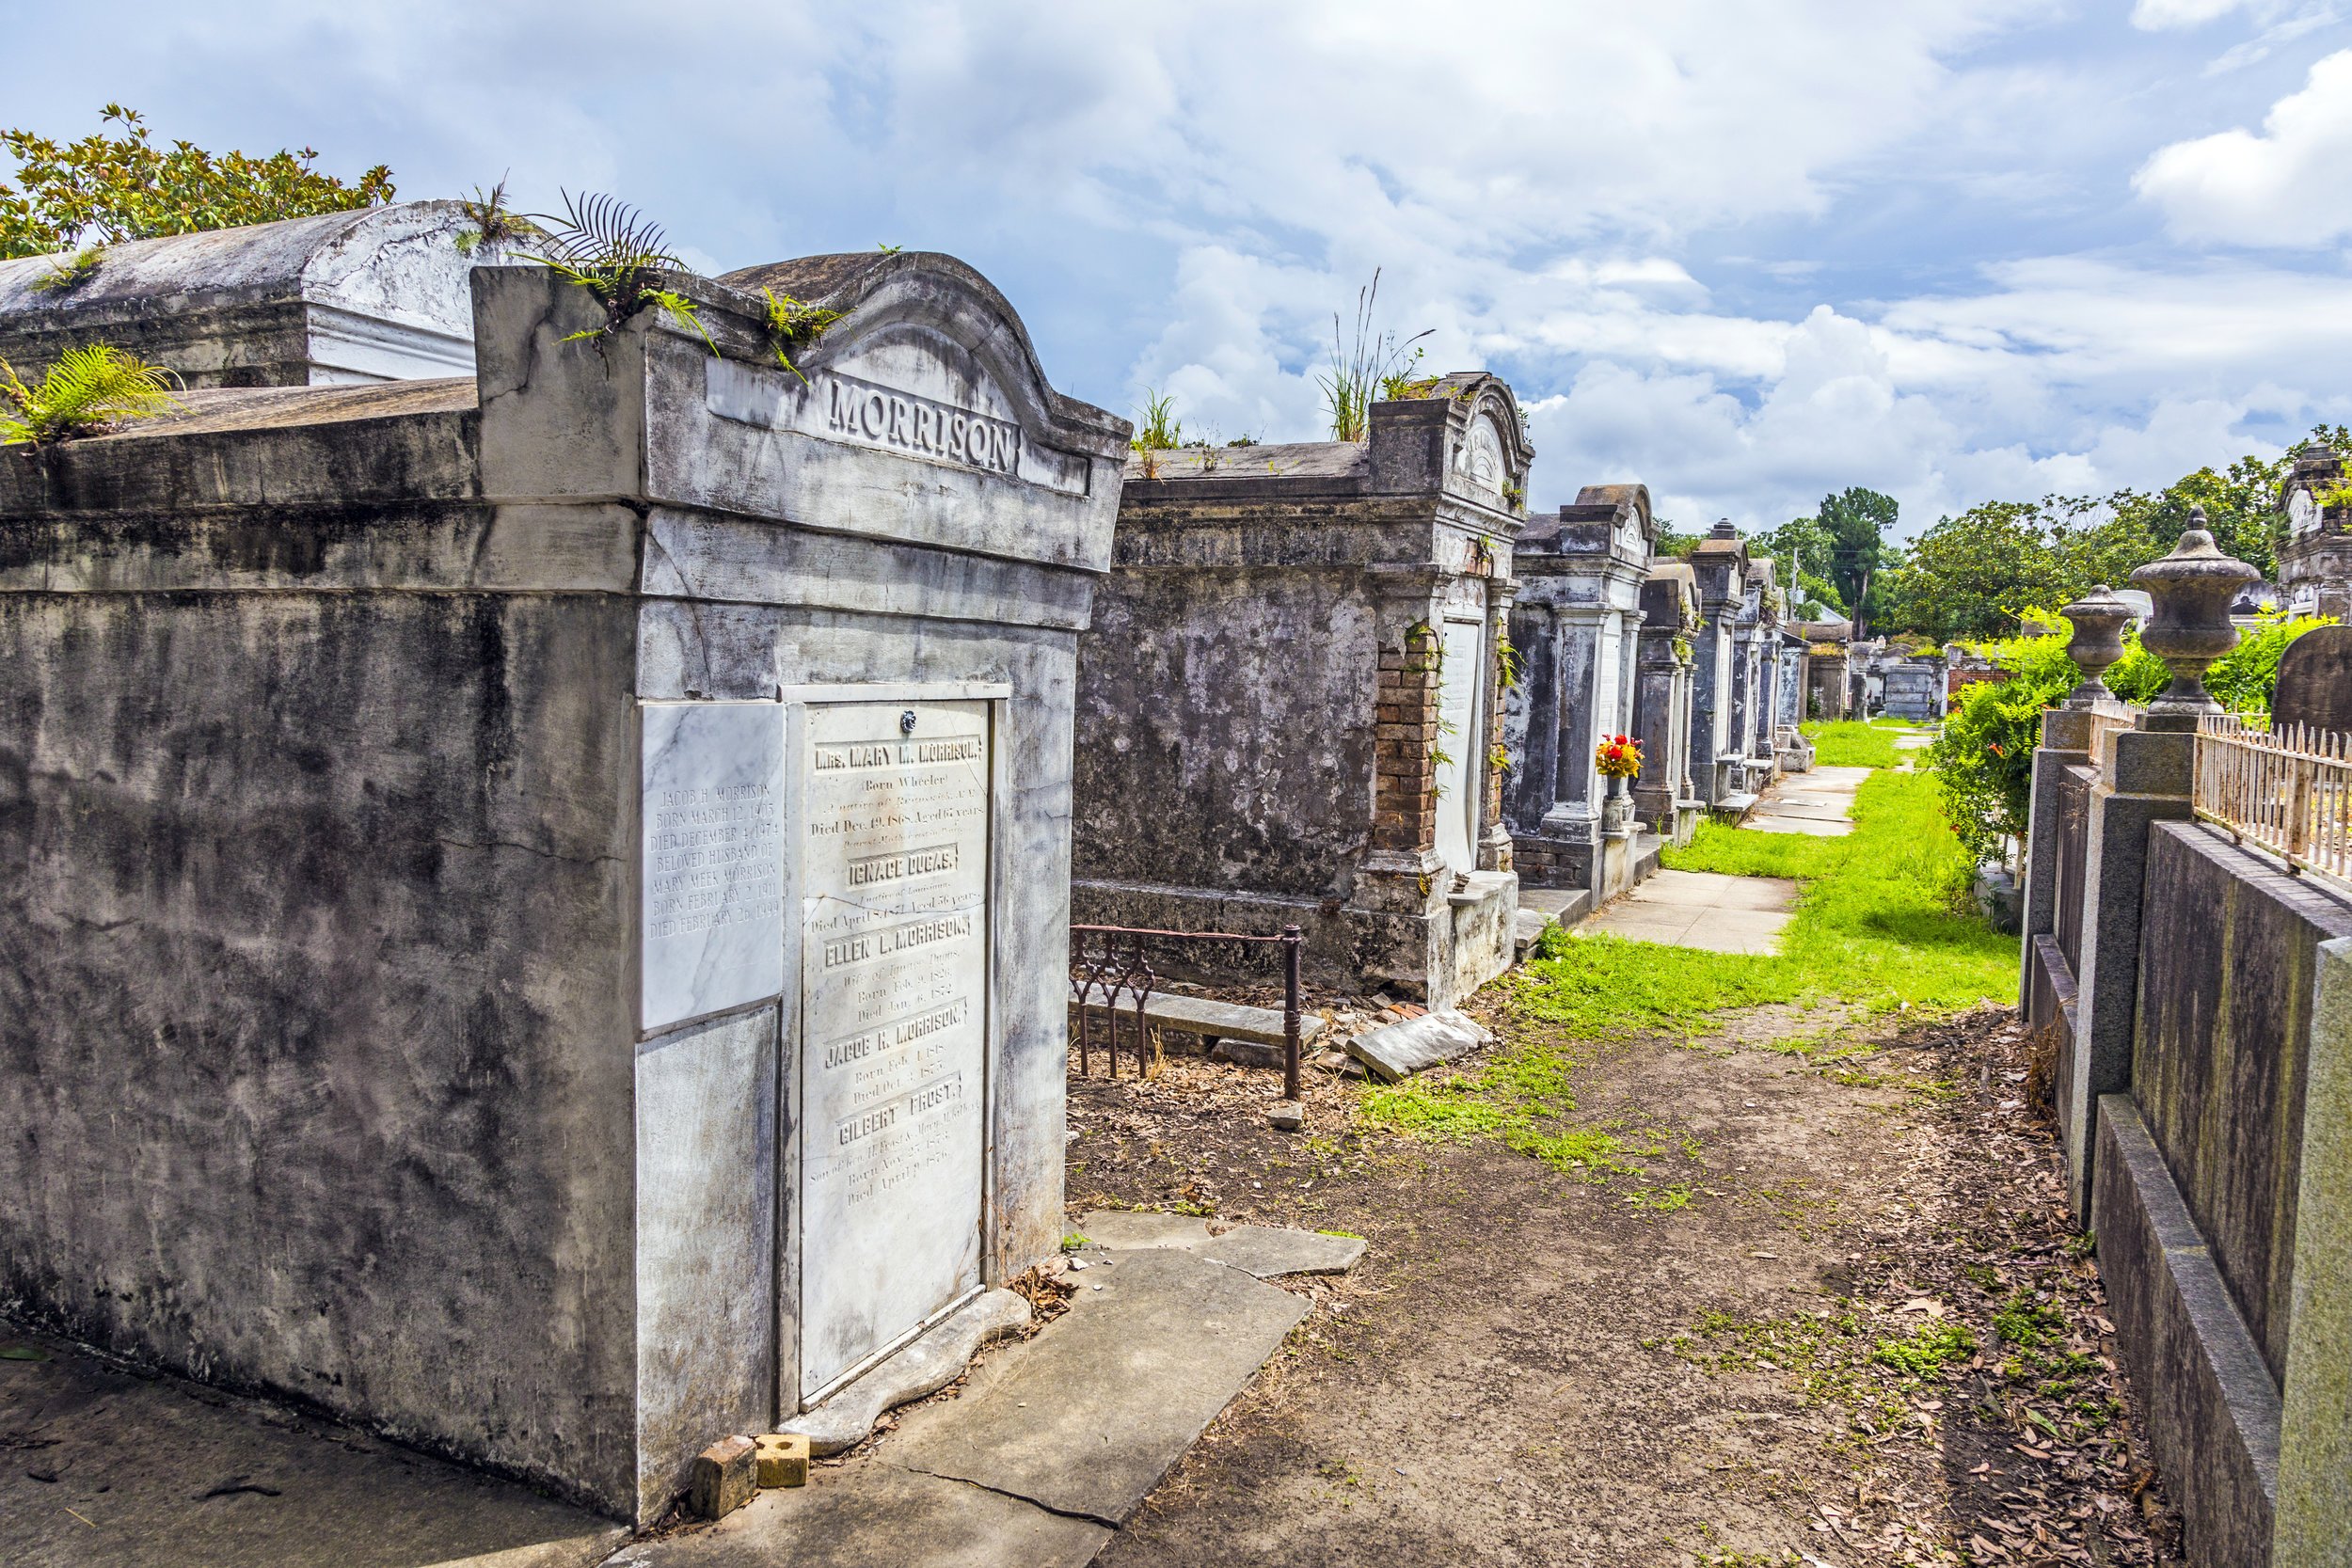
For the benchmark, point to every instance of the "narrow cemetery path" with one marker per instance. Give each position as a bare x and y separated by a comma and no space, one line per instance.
1711,1259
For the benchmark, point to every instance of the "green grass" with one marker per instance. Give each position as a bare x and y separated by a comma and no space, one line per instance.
1853,743
1875,927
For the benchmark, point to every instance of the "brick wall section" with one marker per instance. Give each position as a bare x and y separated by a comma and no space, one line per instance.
1404,798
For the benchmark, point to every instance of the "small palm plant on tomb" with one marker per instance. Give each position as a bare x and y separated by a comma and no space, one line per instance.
793,322
611,249
89,389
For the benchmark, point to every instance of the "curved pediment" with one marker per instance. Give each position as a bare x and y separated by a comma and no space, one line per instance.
924,358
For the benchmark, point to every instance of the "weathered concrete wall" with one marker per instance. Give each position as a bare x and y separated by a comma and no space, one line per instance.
2228,954
1222,767
312,968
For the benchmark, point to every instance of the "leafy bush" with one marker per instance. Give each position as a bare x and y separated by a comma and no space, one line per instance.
1983,760
2243,680
108,189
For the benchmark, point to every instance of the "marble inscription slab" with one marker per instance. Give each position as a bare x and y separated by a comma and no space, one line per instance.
893,1022
712,878
1457,774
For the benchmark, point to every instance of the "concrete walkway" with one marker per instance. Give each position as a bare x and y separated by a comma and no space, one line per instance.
1049,1448
1703,909
1820,803
100,1466
1738,914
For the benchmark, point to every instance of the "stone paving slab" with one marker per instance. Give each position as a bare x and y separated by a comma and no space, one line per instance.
1703,909
871,1515
1211,1019
1086,1419
1396,1051
1267,1251
1819,803
927,1365
157,1471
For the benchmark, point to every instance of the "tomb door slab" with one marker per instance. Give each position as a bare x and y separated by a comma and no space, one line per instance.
1461,681
893,1024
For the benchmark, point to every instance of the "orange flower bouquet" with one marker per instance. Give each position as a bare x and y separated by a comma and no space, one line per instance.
1619,756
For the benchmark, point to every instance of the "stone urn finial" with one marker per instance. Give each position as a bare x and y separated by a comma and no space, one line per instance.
2098,619
2193,589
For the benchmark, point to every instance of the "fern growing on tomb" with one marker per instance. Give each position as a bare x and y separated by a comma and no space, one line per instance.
87,390
611,249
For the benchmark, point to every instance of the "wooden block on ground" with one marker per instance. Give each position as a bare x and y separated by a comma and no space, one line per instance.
783,1459
722,1479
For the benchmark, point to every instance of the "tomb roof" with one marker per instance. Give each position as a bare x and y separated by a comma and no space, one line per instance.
375,294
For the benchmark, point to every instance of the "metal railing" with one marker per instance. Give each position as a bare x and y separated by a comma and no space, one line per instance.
2105,720
2289,792
1110,968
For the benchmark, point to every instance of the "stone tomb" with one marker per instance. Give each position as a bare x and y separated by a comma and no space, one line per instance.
1665,795
1288,698
550,887
1719,562
1575,627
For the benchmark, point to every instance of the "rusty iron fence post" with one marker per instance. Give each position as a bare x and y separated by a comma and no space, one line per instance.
1291,941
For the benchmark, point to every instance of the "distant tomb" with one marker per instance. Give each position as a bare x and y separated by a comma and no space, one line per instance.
2315,683
1288,699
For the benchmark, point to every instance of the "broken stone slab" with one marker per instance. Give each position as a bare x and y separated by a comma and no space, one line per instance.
1528,928
1222,1020
1400,1050
1267,1251
925,1366
1087,1419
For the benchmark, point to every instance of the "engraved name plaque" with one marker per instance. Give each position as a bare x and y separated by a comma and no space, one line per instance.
711,882
894,988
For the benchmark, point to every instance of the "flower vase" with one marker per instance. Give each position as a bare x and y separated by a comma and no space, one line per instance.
1617,808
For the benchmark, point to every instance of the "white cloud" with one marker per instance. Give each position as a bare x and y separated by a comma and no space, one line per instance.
1557,189
2157,15
2291,186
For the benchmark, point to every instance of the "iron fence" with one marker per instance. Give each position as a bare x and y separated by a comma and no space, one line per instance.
1111,972
2290,792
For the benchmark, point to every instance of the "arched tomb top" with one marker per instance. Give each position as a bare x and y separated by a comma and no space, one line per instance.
923,342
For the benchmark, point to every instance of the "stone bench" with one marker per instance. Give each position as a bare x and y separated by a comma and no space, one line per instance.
1212,1021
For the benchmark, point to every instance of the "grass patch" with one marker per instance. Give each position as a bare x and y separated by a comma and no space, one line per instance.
1853,743
1832,1359
1875,925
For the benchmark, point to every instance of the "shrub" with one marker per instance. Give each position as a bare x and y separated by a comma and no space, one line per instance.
2243,680
87,390
1983,760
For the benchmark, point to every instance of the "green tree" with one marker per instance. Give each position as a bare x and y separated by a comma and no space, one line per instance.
104,189
1672,543
1975,576
1802,551
1858,522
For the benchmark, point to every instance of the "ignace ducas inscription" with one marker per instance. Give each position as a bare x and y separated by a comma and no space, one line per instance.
712,871
893,1022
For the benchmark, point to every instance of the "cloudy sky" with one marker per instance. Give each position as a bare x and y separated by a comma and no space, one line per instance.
1953,250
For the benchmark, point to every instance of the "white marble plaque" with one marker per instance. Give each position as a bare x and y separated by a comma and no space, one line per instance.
893,1022
1458,680
712,872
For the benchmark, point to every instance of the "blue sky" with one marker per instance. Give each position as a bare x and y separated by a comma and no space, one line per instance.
1953,250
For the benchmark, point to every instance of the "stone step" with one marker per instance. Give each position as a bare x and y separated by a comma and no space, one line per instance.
1213,1019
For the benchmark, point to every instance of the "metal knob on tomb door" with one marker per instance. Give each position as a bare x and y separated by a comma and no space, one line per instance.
2098,619
2193,589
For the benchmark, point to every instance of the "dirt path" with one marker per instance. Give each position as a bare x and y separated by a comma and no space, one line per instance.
1773,1342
